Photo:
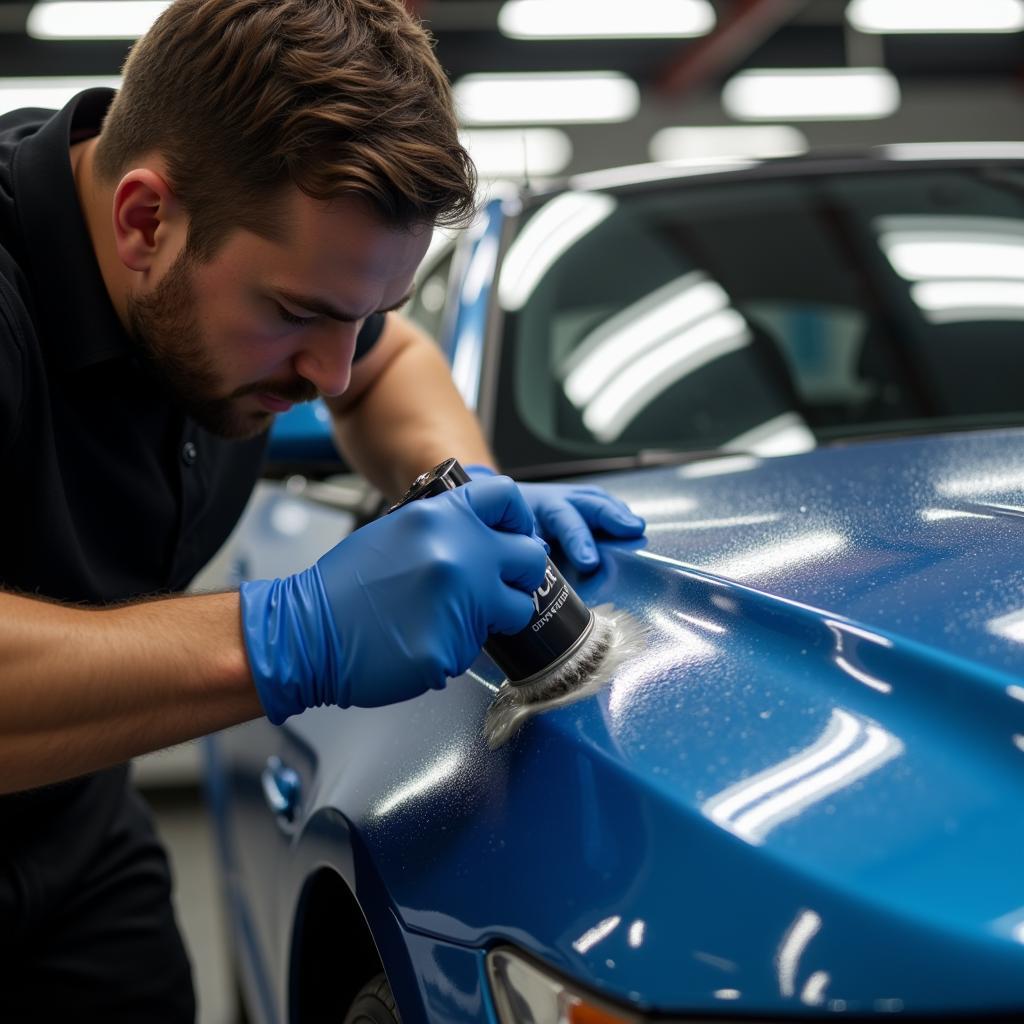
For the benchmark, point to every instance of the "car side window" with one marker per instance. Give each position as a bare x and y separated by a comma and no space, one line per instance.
751,313
426,307
630,341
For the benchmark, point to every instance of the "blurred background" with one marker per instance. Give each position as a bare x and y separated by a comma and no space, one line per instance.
559,86
547,88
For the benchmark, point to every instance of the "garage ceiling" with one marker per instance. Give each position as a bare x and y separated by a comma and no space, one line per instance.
781,33
773,33
954,86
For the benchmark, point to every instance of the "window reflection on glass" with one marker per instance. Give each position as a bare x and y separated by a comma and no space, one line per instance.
762,316
620,368
426,307
964,269
849,748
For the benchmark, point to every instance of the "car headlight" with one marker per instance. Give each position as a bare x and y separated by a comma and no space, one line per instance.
527,994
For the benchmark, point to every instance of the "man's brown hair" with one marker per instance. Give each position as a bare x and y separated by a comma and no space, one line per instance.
242,97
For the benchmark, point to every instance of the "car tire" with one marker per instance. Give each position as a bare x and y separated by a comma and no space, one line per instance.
375,1004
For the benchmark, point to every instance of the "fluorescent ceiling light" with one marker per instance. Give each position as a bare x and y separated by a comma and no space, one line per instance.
607,350
546,97
432,777
919,259
93,19
679,355
49,93
840,736
811,94
722,523
847,750
759,141
587,19
844,665
781,555
923,225
947,302
964,269
877,748
929,248
892,16
984,485
518,153
720,466
794,942
552,231
1010,626
598,933
786,434
954,151
667,508
938,515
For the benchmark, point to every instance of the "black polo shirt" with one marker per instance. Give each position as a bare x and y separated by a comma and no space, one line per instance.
108,491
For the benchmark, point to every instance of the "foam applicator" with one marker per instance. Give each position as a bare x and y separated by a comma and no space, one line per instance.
567,650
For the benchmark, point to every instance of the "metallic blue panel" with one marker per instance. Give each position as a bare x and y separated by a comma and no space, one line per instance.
470,325
302,434
249,961
452,981
918,538
804,795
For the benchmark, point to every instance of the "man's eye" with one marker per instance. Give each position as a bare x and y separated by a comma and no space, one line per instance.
290,318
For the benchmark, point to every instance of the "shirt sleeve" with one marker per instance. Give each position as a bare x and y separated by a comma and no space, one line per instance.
369,334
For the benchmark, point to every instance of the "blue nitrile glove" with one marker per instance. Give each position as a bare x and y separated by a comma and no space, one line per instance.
572,514
398,606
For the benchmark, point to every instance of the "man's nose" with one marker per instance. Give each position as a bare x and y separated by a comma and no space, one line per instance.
325,359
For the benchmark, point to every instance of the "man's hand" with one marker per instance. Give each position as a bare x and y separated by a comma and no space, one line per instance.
573,515
398,606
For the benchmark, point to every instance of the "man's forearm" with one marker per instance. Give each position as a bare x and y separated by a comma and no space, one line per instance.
409,420
82,690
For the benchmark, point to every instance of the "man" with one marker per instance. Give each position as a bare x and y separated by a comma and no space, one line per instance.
178,264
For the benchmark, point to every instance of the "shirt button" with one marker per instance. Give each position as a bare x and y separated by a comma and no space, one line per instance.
189,454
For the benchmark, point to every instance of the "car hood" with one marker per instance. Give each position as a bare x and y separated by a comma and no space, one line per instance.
914,538
803,795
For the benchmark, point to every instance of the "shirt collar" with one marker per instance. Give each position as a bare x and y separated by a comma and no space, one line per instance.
77,320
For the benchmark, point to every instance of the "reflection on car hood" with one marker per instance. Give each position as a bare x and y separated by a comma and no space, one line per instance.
805,794
836,643
917,537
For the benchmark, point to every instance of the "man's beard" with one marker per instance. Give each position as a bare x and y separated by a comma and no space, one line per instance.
165,325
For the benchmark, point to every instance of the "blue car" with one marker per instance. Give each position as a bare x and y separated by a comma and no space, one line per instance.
802,797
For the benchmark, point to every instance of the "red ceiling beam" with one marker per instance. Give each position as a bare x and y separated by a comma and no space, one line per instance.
741,28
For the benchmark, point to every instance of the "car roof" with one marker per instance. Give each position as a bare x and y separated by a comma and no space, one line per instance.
654,176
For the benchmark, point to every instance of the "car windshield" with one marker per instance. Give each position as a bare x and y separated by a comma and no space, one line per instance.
762,315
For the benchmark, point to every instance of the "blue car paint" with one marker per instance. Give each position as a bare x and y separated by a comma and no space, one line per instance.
803,797
432,980
302,434
248,958
464,342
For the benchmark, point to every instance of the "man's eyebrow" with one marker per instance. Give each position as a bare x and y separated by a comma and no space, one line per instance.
316,305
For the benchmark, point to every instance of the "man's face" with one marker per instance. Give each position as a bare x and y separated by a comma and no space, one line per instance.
267,324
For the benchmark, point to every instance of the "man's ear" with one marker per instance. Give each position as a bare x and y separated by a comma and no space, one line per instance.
149,223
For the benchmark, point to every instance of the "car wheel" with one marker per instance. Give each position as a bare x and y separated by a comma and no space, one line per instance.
374,1004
